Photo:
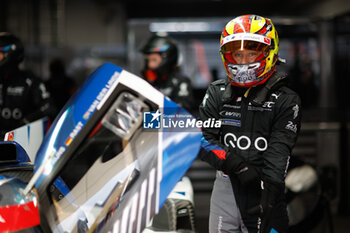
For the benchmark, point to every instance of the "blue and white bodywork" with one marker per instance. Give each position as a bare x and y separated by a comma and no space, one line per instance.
98,169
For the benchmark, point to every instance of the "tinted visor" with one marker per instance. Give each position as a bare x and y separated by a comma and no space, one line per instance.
240,45
6,48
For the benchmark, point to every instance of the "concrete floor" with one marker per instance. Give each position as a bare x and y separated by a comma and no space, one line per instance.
341,224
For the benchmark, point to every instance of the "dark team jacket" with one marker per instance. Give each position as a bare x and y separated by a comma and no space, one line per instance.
23,98
263,133
179,89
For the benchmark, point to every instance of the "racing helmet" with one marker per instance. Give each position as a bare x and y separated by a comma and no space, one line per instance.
12,49
167,49
252,36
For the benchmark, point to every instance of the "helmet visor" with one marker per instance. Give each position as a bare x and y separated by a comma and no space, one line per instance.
6,48
244,51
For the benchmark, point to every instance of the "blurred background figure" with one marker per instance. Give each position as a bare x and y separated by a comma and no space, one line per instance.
23,96
304,78
60,85
162,71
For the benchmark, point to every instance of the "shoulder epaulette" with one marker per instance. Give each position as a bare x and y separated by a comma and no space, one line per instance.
273,83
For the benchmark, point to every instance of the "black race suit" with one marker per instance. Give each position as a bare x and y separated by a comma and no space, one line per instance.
23,99
263,135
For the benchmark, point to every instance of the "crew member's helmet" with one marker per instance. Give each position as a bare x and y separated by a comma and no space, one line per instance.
253,33
167,48
12,49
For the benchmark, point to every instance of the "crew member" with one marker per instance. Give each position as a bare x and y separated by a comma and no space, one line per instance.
162,71
23,97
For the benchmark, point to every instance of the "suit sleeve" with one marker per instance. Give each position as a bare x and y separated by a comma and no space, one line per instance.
212,151
283,138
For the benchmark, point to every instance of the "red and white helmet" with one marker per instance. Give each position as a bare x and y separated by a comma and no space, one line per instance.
249,33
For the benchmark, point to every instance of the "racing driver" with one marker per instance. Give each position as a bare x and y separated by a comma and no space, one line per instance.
260,121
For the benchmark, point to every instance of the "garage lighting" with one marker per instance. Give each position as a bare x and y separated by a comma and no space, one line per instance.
180,27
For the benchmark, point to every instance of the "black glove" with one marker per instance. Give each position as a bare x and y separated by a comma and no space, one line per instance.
236,165
271,206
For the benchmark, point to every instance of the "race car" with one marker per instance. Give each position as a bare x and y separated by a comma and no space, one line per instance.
106,164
